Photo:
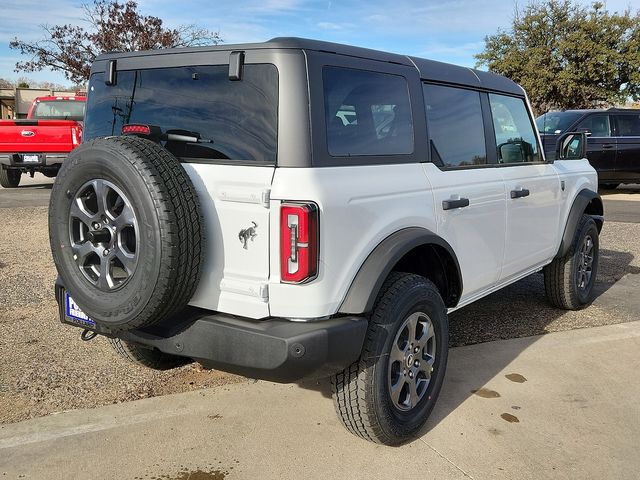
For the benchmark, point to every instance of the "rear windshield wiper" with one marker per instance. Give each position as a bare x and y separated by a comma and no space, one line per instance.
185,136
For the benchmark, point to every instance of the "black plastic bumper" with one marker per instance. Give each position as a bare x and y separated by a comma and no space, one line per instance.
16,160
274,349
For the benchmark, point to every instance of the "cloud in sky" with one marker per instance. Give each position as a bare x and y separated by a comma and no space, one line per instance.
446,30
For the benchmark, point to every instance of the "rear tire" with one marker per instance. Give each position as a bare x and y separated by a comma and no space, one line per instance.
147,357
125,230
375,398
10,178
569,280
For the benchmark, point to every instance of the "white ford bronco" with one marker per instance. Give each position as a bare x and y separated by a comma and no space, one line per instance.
298,208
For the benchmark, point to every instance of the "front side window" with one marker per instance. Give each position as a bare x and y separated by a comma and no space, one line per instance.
628,125
515,137
556,122
232,120
596,125
366,113
456,128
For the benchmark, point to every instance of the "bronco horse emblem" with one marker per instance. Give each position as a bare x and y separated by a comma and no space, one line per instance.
247,234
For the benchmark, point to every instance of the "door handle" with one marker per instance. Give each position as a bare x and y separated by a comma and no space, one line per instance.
451,204
520,193
608,145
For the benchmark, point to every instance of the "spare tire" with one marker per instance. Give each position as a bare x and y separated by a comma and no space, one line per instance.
126,232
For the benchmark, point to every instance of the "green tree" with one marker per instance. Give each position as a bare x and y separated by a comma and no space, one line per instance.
569,56
109,26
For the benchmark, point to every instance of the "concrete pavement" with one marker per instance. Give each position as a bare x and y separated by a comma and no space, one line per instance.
32,192
563,406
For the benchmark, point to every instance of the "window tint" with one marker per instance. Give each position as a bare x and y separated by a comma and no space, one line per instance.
235,120
60,110
628,125
556,122
366,113
597,125
456,130
515,138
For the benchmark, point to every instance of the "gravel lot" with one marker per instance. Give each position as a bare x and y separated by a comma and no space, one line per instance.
45,368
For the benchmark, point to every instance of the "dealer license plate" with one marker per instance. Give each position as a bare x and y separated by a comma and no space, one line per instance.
30,158
75,314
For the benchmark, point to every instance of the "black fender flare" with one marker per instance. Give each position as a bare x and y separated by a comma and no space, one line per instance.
368,281
580,203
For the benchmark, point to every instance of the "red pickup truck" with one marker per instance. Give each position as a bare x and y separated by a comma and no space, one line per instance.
40,142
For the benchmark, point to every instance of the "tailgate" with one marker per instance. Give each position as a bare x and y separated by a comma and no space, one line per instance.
37,136
235,206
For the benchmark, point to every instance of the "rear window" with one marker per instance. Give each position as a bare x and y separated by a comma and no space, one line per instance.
59,110
366,113
234,120
556,122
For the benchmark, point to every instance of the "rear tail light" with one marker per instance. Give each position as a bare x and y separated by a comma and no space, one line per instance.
76,135
298,242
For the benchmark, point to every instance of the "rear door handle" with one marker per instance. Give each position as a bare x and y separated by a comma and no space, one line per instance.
451,204
520,193
608,145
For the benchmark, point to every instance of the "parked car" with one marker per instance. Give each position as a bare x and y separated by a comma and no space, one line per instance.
613,147
42,141
298,208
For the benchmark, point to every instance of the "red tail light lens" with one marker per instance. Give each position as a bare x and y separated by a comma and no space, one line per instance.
76,135
298,242
136,129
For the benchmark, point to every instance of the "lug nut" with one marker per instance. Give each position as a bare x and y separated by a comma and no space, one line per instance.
106,252
416,363
410,374
404,372
96,226
416,350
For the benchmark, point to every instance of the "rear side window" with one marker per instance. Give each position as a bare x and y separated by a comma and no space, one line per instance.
515,137
628,125
596,125
366,113
234,120
456,128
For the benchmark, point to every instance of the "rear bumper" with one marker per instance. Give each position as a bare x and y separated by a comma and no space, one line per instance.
275,349
44,159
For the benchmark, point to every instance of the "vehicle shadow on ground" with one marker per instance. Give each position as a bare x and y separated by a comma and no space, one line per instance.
520,311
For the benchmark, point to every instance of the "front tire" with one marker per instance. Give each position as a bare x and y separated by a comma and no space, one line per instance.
569,280
10,178
387,396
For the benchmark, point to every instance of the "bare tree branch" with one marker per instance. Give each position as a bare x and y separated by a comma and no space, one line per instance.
110,26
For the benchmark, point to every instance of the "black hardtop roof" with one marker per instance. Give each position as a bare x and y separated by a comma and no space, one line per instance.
428,69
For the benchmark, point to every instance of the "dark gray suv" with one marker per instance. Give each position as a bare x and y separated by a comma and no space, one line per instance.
614,140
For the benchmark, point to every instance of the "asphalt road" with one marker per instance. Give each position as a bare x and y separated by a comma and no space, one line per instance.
32,192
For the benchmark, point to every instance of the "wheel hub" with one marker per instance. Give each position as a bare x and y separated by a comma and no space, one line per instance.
585,263
103,234
411,361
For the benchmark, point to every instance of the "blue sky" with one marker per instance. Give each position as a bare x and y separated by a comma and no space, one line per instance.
446,30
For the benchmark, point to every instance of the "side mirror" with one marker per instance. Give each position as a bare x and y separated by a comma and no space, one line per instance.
514,151
572,146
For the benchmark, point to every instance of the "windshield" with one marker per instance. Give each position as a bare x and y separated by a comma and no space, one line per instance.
556,122
60,110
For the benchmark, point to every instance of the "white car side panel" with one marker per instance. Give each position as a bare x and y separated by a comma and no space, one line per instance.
476,232
359,207
234,279
531,229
